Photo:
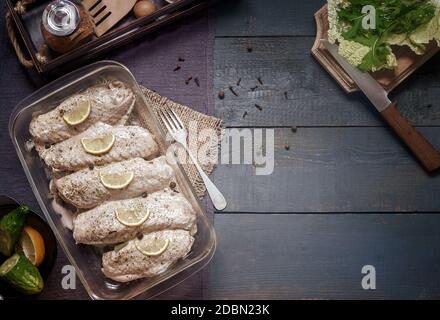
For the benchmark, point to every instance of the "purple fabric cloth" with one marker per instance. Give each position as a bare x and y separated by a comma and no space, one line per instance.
153,61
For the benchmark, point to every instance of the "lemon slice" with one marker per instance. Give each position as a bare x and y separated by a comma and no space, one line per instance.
152,246
132,217
79,114
116,180
31,244
99,145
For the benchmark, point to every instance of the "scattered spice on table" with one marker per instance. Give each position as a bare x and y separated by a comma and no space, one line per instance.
221,95
181,59
249,49
258,107
254,88
259,80
144,195
233,91
187,81
287,147
172,185
196,80
177,68
285,95
245,114
294,129
238,81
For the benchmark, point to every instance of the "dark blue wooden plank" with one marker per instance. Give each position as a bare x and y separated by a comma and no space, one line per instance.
296,90
321,256
334,170
266,18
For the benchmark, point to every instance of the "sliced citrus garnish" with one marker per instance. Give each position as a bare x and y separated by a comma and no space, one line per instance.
79,113
99,145
151,246
132,217
31,244
116,180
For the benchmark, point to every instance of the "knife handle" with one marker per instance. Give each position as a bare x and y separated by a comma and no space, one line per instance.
428,156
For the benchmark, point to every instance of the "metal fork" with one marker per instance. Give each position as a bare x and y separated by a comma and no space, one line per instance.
178,132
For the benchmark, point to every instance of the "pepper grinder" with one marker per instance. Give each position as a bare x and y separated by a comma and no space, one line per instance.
66,25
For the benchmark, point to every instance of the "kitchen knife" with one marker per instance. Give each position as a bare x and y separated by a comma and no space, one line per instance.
428,156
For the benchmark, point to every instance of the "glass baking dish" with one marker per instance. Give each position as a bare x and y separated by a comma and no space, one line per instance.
87,259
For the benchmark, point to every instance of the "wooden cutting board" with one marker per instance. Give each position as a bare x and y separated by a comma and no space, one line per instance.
407,60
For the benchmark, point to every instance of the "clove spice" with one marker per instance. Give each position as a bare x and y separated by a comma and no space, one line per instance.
233,91
260,108
259,80
245,114
196,80
187,81
238,81
181,59
254,88
177,68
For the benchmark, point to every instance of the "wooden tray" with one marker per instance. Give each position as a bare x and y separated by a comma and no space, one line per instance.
407,60
129,28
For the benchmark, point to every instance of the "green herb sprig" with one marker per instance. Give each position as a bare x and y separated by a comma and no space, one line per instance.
392,17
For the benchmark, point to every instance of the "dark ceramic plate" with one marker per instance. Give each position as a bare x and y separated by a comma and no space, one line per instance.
35,221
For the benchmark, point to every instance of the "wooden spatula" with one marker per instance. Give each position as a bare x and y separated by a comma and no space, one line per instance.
106,13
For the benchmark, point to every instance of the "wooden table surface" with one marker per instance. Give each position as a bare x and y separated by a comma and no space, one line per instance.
344,194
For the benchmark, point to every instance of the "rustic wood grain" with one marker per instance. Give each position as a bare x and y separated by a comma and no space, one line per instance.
334,170
317,256
421,148
286,67
154,58
252,18
266,255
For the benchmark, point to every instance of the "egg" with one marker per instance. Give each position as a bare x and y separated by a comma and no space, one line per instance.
144,8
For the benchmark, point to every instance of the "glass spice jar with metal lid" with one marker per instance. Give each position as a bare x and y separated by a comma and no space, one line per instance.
66,25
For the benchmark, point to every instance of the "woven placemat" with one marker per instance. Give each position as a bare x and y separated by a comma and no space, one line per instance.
195,122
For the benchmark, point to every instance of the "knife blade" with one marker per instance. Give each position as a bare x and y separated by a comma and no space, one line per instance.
368,85
428,156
